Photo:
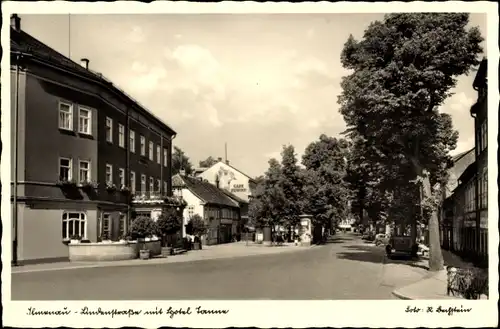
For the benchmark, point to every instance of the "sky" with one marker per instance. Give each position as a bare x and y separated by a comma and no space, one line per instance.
255,82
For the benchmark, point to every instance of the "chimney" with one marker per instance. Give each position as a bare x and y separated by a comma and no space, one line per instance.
84,62
220,159
227,162
15,22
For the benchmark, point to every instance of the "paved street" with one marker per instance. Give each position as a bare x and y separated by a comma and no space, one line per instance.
345,268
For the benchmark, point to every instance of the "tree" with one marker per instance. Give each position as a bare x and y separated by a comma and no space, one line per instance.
180,162
169,222
196,226
266,208
290,183
325,191
402,71
208,162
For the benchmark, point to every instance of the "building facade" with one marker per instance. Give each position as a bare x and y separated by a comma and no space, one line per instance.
225,176
464,221
84,153
220,211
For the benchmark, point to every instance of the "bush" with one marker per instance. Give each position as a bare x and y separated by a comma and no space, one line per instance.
142,227
169,222
469,283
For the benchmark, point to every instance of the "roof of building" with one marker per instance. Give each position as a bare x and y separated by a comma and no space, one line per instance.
233,196
227,164
468,173
22,42
481,78
459,156
207,192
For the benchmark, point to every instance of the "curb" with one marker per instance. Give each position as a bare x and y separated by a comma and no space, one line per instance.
77,267
400,295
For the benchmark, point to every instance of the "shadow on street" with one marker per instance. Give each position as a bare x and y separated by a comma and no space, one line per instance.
373,254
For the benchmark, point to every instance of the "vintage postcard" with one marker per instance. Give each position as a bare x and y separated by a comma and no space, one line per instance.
246,164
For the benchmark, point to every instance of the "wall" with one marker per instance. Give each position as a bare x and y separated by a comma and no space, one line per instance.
231,179
40,237
45,142
21,101
191,200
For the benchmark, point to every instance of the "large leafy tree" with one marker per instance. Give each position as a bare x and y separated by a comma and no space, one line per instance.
402,70
291,184
266,208
180,161
208,162
325,191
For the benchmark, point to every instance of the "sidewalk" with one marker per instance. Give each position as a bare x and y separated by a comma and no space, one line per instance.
230,250
432,285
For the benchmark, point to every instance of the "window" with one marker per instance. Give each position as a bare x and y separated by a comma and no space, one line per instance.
106,219
132,182
109,130
121,176
191,211
158,154
165,157
65,116
74,224
165,187
158,186
85,121
143,183
65,169
121,135
143,145
84,171
484,134
151,184
109,174
484,196
132,141
151,154
121,228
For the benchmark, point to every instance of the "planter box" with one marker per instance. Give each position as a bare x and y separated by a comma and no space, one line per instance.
110,251
196,246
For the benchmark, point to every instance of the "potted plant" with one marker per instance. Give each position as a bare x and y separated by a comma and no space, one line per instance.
110,187
89,186
143,227
297,239
168,224
198,228
66,183
74,239
124,190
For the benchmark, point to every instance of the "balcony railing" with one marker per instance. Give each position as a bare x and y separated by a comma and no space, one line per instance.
156,197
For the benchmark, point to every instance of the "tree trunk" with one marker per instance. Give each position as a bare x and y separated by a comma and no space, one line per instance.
436,262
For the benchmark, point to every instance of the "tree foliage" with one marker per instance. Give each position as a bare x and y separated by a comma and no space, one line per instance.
180,161
325,190
290,182
169,222
402,70
208,162
196,226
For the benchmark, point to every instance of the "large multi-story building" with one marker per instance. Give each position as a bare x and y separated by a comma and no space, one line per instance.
85,155
465,212
479,112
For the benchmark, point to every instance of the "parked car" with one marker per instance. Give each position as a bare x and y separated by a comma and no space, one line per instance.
369,236
381,239
401,245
